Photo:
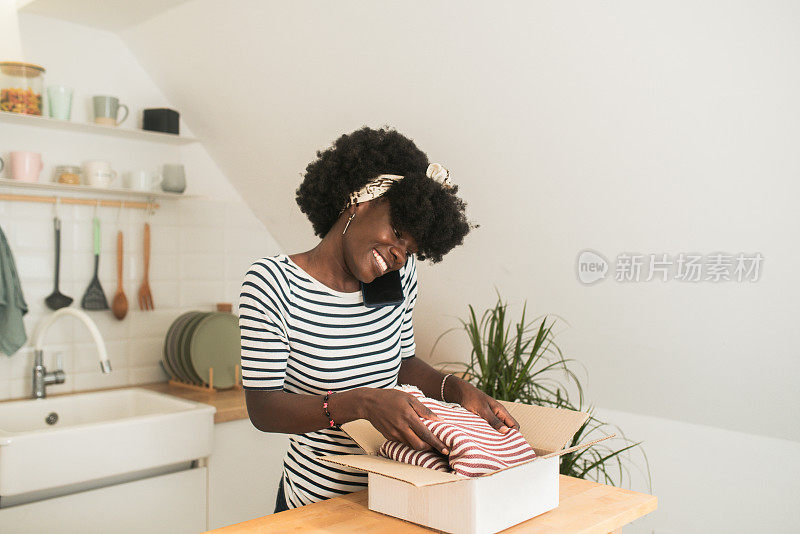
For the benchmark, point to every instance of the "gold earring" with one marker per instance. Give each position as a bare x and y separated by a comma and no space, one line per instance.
348,222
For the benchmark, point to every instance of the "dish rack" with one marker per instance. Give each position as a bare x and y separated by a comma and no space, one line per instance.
210,387
195,342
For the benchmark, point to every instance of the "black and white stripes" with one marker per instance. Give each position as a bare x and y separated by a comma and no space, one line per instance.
302,337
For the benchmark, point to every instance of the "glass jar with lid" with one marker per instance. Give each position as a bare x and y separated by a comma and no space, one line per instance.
67,174
21,87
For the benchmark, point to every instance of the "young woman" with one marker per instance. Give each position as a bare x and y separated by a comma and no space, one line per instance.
313,355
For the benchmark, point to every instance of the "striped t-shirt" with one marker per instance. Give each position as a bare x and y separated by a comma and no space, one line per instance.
301,336
476,448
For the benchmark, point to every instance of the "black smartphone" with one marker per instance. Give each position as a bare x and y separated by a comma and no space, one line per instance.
386,290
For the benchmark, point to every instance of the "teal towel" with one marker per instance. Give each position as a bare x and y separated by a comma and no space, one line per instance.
12,303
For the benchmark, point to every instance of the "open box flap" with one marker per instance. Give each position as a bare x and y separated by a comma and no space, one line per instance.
414,474
546,429
365,435
577,447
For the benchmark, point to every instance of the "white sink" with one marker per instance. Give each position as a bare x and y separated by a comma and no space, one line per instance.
97,435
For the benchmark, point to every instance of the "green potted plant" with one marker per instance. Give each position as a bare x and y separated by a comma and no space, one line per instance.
525,365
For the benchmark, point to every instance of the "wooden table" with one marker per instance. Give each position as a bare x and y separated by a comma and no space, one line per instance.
585,507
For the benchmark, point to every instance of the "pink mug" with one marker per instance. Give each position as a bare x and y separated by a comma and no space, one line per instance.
26,166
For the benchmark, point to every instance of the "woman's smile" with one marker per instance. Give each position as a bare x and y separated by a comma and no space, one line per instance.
382,267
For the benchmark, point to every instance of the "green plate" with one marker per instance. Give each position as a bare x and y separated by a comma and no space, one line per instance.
183,348
171,345
215,343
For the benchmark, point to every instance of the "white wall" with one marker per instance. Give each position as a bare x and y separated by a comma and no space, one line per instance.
201,246
623,127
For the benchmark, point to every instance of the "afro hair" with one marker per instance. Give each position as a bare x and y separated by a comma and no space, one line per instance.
419,205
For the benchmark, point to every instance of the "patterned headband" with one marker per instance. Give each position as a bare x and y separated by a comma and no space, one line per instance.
382,183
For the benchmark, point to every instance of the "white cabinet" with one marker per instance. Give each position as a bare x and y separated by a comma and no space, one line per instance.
239,483
244,469
170,504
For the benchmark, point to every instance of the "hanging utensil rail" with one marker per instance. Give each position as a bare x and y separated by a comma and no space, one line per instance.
85,201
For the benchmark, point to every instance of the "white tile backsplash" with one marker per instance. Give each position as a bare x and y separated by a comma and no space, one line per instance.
238,241
232,291
237,264
146,375
200,250
38,264
202,239
5,385
148,351
111,328
204,213
202,295
33,211
97,379
37,234
163,240
23,387
80,234
151,323
202,266
238,218
167,215
87,359
162,267
169,294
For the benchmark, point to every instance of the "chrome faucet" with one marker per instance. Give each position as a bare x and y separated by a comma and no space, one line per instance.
41,377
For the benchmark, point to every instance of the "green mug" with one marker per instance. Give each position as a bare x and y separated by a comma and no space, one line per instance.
106,109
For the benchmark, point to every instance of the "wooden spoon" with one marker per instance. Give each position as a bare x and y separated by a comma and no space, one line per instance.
120,304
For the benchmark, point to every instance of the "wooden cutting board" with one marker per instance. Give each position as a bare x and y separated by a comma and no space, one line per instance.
585,507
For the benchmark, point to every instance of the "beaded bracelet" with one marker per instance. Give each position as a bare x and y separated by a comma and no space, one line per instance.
325,407
443,380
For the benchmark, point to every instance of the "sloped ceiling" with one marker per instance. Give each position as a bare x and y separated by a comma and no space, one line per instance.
613,126
112,15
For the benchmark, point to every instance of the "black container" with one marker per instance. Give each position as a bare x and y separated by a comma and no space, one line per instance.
161,120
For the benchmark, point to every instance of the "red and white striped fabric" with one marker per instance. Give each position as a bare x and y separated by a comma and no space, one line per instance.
475,447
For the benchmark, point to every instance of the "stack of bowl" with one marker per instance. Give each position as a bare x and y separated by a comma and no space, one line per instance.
198,341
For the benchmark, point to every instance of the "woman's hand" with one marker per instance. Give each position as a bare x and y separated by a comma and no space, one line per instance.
396,415
479,403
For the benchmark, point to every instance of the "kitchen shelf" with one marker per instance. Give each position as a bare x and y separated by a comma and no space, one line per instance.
102,129
55,187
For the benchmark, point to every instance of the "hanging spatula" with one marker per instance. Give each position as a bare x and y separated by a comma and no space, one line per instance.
56,300
94,298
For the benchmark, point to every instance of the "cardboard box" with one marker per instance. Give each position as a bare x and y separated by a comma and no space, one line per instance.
470,505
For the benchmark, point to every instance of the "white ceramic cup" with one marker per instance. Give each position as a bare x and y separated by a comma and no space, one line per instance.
142,180
98,173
